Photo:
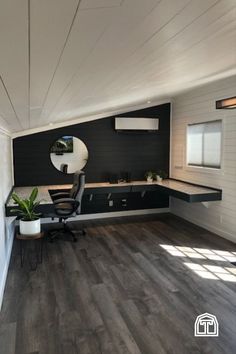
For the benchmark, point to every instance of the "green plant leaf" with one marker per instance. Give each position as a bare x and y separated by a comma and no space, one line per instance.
33,194
15,211
16,198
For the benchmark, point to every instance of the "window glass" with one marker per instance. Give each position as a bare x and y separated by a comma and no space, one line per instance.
204,144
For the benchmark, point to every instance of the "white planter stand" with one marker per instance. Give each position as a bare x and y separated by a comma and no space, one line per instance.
30,227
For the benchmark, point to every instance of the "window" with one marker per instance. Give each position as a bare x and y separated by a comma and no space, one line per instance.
204,144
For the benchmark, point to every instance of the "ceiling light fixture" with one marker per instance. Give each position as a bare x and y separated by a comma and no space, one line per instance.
226,103
148,102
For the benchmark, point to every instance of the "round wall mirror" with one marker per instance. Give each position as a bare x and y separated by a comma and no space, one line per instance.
69,154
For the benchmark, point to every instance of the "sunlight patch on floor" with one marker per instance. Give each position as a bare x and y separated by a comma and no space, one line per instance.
212,272
200,253
206,271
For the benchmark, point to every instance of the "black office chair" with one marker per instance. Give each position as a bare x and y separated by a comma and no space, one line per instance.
68,205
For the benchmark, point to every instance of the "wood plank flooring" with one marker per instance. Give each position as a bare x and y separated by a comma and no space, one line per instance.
117,291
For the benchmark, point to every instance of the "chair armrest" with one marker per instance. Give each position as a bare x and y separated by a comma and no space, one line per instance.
65,200
60,195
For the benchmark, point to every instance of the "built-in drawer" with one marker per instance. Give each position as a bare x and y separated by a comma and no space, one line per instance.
144,188
107,190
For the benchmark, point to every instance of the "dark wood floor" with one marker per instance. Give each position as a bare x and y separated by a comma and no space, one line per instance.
118,291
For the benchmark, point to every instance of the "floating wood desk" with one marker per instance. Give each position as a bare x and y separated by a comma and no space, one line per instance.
178,189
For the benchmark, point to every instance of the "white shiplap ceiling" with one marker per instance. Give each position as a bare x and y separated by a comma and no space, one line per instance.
63,60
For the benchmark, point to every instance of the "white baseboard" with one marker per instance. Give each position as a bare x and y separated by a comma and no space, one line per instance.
114,214
215,230
6,266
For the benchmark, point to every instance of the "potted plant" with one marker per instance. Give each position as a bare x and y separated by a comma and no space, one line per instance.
29,219
149,176
154,176
161,175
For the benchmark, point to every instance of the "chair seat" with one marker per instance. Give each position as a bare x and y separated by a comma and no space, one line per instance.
64,209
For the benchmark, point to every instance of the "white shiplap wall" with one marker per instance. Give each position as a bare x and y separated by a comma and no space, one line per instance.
196,106
6,224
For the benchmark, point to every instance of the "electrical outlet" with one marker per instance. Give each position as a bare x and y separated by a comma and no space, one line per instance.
111,203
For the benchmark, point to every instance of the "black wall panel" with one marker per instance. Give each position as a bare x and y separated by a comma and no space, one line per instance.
109,151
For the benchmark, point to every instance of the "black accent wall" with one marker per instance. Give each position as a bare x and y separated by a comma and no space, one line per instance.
109,151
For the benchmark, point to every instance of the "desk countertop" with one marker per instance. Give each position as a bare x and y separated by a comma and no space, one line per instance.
171,184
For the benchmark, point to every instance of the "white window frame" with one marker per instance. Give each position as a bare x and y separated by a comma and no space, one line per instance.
204,169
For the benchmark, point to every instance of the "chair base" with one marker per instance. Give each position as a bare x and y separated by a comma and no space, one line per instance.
53,234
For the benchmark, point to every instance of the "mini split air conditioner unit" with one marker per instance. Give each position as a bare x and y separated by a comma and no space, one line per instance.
136,124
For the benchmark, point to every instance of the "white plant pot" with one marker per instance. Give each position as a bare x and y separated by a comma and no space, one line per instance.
149,180
159,179
30,227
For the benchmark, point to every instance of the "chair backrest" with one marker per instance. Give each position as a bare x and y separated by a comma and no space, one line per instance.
64,168
77,189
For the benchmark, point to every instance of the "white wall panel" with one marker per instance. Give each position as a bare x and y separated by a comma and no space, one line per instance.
197,106
6,226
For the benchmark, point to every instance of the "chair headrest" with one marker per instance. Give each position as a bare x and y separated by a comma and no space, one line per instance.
78,175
